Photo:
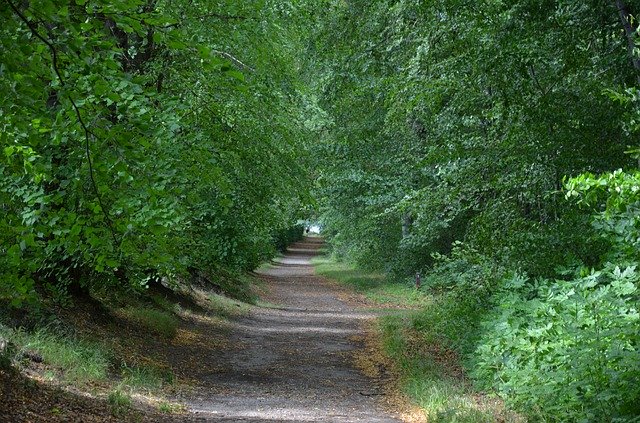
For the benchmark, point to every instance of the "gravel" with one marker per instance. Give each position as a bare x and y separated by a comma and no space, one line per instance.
292,362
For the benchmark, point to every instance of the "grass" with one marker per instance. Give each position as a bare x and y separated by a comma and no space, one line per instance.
157,321
430,378
77,360
170,408
236,285
373,285
146,377
119,402
165,304
226,307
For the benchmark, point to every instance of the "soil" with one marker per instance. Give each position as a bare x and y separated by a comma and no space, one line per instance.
293,361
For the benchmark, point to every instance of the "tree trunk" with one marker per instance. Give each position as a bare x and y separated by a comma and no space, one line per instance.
407,222
630,28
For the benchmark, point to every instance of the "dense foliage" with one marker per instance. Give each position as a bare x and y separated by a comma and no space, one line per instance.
463,140
490,146
145,140
459,122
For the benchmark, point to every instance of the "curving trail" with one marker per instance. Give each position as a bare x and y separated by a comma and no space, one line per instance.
292,361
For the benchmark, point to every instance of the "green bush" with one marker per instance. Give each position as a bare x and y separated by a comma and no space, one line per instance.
565,351
557,350
285,237
462,284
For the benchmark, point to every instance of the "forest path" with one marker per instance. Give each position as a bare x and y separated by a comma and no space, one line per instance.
292,361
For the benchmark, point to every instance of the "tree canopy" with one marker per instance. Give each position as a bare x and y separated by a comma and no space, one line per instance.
146,139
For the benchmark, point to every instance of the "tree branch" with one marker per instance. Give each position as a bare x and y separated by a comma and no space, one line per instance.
630,30
235,60
211,15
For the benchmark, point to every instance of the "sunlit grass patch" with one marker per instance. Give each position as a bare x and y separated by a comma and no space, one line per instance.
157,321
76,360
374,285
225,306
429,377
443,400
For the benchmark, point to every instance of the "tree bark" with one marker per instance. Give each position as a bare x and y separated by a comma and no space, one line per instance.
407,223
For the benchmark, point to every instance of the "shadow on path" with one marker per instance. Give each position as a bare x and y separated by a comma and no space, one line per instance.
292,362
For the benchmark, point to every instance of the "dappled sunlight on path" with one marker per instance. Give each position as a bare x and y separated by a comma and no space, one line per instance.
292,361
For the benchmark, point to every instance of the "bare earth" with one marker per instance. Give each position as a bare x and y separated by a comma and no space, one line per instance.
292,362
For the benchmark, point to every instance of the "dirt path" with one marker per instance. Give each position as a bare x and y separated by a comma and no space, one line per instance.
292,362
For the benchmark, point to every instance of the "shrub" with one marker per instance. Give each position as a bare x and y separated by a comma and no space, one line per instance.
565,350
463,284
284,237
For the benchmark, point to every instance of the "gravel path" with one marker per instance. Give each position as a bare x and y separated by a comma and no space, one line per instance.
292,362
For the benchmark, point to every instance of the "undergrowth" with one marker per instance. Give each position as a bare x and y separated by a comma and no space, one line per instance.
157,321
146,377
443,396
565,350
555,350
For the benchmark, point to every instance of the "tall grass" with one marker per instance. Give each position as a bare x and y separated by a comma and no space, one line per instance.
146,377
120,403
77,360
